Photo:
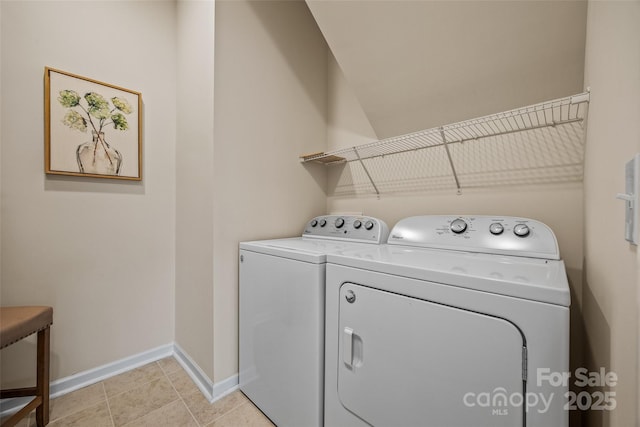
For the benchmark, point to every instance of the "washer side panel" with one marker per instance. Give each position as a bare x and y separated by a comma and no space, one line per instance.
281,337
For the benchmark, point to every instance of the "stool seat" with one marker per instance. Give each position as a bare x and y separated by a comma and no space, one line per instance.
17,323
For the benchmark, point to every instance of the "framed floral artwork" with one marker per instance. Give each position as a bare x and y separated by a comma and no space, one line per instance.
92,128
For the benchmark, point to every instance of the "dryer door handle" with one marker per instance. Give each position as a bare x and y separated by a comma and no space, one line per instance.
347,347
352,348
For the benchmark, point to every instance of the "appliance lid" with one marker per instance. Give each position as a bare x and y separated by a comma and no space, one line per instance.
302,249
527,278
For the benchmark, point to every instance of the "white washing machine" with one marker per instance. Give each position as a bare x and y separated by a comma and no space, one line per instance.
456,322
282,289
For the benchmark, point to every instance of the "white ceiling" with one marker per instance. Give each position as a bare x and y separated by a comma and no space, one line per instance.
419,64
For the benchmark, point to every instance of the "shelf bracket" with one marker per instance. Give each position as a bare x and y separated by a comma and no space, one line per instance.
355,150
453,169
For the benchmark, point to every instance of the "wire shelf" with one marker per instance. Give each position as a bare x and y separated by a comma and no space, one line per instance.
550,141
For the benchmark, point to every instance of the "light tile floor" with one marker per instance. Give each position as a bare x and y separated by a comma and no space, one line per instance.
158,394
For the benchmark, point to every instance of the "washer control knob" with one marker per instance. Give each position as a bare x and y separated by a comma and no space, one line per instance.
458,226
357,224
323,222
339,223
368,225
496,228
521,230
314,222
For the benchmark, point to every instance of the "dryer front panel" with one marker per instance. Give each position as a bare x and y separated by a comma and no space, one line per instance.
408,362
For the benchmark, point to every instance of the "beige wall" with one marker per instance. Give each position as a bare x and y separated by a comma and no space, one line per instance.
419,64
194,182
101,252
612,70
270,107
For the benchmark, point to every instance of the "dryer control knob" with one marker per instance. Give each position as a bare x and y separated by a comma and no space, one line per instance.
368,225
521,230
496,228
339,223
458,226
323,222
314,222
357,224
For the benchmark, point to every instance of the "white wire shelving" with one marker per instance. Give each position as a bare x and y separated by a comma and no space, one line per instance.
558,123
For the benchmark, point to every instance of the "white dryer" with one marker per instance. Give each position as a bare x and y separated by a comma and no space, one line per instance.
456,322
282,289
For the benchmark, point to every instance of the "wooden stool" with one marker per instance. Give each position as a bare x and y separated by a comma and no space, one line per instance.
17,323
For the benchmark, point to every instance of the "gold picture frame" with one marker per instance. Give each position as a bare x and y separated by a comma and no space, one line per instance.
92,128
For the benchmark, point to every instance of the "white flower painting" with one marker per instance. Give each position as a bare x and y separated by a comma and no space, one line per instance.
92,128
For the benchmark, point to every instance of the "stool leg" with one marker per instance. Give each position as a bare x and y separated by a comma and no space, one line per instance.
42,384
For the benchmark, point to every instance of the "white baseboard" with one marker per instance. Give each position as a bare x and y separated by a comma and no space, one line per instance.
82,379
212,391
224,387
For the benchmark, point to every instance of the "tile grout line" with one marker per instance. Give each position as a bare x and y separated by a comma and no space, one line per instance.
134,387
144,384
104,390
235,408
76,409
227,412
113,422
149,413
168,372
180,397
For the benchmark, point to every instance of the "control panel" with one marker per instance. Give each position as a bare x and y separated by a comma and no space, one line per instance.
347,227
487,234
